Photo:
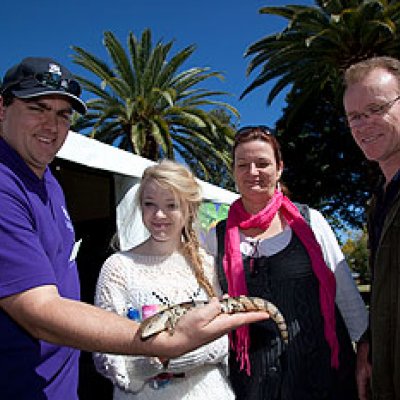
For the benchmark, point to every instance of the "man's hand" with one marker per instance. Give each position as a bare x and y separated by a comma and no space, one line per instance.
199,326
363,371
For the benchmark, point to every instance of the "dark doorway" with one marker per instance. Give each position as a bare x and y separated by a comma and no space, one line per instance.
90,200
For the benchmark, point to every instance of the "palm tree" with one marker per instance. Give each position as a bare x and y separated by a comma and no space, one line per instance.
147,104
218,173
320,42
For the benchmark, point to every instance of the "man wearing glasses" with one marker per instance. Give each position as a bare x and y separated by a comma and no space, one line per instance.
42,321
372,105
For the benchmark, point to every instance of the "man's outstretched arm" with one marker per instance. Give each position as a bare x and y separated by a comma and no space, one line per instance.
46,315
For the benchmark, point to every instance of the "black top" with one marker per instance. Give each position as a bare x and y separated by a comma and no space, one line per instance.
300,370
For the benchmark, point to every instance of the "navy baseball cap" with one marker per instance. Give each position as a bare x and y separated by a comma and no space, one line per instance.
39,76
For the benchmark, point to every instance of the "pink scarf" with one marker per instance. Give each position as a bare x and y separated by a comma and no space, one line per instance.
238,217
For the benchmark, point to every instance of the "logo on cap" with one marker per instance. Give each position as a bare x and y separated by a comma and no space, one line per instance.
55,69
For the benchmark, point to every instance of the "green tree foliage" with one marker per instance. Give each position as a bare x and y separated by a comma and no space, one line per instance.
308,57
218,173
145,102
356,252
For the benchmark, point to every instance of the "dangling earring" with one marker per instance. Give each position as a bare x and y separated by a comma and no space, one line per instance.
278,186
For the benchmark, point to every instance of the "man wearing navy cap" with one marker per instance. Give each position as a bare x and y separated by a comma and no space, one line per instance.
42,321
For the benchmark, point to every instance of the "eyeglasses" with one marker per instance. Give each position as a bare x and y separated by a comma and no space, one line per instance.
254,128
371,111
57,82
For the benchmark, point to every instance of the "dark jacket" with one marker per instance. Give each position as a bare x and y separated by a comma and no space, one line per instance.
385,306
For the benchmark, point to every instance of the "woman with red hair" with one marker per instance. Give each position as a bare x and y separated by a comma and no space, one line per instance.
267,248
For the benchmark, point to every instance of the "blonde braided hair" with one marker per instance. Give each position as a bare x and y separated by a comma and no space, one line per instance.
191,247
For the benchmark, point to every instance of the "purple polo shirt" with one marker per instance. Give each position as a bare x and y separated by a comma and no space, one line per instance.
36,240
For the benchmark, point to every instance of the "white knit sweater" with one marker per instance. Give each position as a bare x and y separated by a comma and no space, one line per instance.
132,280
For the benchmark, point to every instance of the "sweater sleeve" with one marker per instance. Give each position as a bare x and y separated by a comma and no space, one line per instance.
214,352
129,373
348,298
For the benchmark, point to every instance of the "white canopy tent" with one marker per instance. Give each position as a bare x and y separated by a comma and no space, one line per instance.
127,169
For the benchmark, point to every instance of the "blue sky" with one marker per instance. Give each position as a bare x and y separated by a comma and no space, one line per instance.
221,30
